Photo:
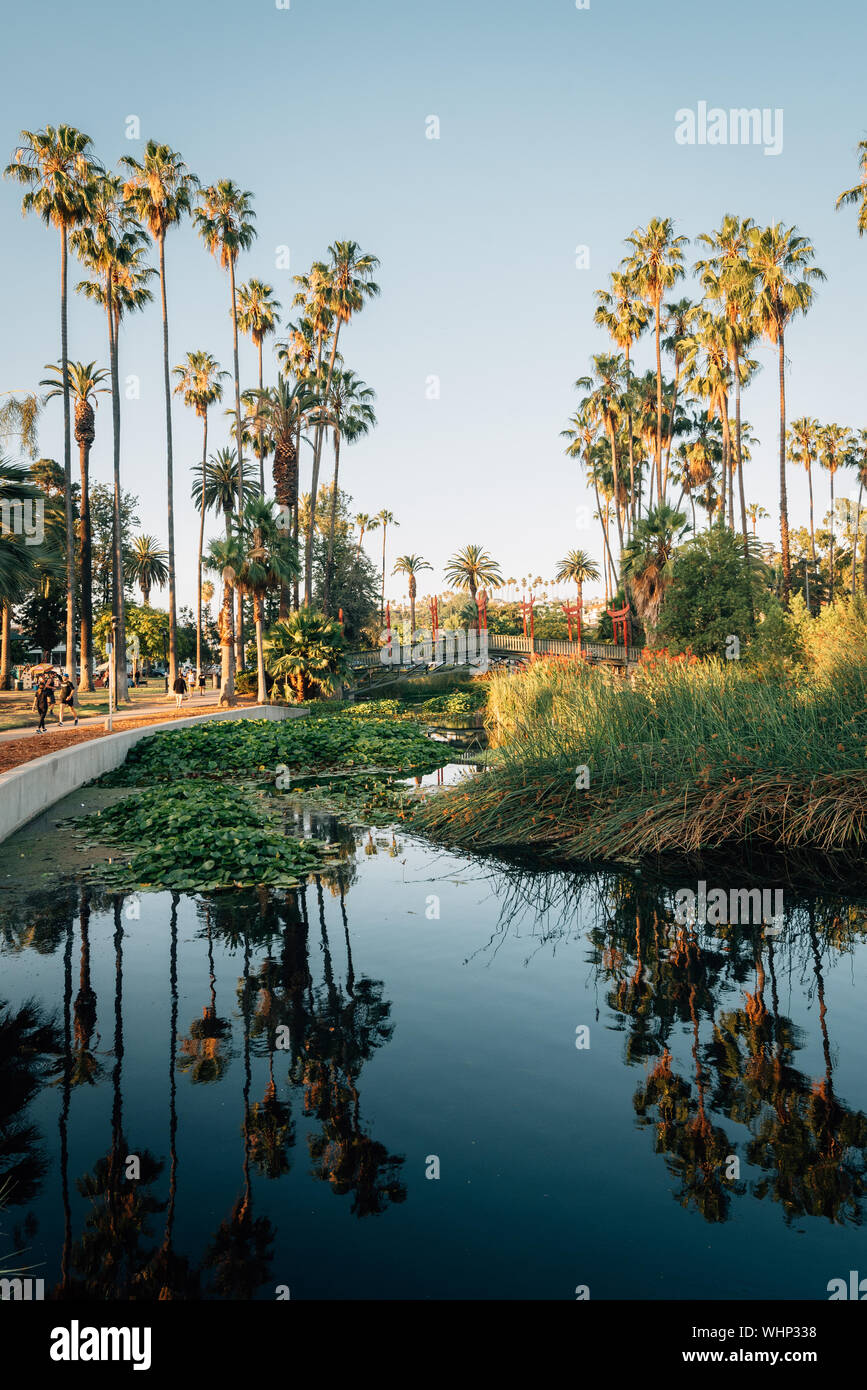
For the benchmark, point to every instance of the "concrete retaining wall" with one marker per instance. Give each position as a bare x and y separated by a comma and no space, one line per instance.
29,790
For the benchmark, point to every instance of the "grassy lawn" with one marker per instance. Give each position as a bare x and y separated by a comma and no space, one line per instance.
16,712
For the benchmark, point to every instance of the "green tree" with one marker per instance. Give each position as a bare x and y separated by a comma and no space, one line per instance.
269,562
577,568
147,565
257,316
351,416
306,650
857,196
471,569
411,566
646,561
711,595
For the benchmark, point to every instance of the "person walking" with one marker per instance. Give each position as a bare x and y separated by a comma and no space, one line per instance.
67,699
180,689
43,702
202,681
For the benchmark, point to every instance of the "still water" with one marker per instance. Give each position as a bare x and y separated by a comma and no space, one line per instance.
370,1087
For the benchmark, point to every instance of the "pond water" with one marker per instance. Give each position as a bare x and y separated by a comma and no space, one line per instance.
372,1086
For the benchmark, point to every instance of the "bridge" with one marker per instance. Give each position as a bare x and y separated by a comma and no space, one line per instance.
502,649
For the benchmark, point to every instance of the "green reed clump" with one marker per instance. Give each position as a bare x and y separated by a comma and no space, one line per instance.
680,756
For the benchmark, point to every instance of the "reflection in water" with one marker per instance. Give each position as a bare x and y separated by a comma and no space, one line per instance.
726,1095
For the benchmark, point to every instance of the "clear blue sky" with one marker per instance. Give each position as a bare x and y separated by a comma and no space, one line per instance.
557,129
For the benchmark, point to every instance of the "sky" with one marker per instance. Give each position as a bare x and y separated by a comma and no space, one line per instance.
556,131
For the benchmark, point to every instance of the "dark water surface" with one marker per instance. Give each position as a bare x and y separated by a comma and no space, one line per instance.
286,1067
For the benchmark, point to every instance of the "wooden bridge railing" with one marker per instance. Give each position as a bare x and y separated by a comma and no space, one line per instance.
504,644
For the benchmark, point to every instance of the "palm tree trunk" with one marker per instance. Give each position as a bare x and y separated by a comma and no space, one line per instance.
412,608
631,452
332,526
659,484
86,605
671,421
258,615
784,504
857,529
296,581
201,548
240,642
119,652
725,462
227,647
67,463
831,557
812,528
5,644
173,621
261,450
615,470
382,598
602,521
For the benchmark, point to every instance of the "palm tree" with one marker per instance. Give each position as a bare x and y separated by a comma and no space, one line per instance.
623,313
84,384
724,280
147,565
604,406
224,219
680,316
411,566
859,458
781,279
111,246
656,263
159,189
364,523
257,316
756,513
472,568
336,292
835,449
307,651
384,518
858,194
284,411
351,415
269,562
645,565
200,381
803,441
224,558
59,171
577,568
216,484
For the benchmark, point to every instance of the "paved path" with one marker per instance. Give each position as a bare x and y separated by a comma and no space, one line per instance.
191,705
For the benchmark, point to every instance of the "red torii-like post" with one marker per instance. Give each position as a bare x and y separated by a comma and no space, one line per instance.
619,621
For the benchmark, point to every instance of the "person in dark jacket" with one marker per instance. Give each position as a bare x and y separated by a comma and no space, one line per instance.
43,702
180,689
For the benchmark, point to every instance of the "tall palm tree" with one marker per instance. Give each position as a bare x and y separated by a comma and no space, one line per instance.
84,385
284,411
224,218
111,246
858,194
219,491
836,446
257,316
351,416
578,568
472,568
200,380
781,278
269,562
159,189
724,280
655,265
803,439
604,406
224,557
147,565
411,566
58,169
755,512
340,289
385,519
680,316
364,523
624,314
